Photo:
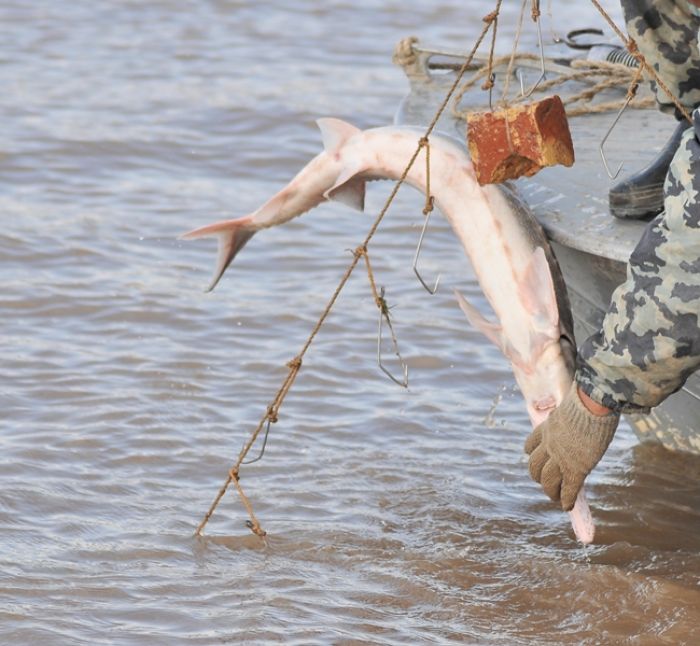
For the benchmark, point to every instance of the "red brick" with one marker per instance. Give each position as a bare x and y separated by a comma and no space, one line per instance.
519,140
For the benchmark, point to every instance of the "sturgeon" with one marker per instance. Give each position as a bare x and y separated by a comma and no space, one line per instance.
508,250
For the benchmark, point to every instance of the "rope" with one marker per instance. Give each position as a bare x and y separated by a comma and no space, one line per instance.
511,60
613,75
404,54
429,199
633,49
605,75
590,70
490,78
535,13
294,365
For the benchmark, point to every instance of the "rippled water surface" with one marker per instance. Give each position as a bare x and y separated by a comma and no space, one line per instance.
393,516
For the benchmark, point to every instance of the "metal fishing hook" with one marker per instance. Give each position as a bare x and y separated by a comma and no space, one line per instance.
630,96
384,314
264,444
555,38
418,250
543,72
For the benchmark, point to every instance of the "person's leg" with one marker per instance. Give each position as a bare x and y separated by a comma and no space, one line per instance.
666,32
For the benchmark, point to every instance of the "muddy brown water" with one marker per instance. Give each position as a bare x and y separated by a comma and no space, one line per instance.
393,516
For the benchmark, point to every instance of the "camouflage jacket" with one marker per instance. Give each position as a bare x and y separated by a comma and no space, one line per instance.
649,343
666,32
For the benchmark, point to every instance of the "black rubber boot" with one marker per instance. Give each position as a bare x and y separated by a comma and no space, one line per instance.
641,195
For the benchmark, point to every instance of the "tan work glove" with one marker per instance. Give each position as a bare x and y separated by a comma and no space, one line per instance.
566,446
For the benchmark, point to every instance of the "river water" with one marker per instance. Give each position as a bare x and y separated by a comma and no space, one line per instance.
393,515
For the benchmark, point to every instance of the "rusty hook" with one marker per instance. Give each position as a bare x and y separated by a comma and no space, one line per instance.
384,314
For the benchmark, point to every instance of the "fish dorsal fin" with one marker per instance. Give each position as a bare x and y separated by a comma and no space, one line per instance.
350,193
491,331
335,132
539,296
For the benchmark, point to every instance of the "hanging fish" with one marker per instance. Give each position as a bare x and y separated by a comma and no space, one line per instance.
506,246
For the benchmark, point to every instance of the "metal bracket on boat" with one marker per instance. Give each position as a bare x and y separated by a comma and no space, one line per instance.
384,314
420,63
416,60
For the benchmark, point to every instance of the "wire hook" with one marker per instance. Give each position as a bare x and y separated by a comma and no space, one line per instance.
488,84
384,314
264,444
417,254
543,72
611,175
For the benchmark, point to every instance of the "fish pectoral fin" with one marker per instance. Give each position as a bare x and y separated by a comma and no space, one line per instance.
491,331
335,132
351,193
231,234
539,296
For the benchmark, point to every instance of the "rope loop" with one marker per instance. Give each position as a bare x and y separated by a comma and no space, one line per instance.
360,251
295,364
272,414
634,85
632,47
380,301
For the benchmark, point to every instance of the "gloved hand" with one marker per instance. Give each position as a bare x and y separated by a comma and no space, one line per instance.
566,446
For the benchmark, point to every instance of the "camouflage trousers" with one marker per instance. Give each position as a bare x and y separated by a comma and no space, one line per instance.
666,32
649,343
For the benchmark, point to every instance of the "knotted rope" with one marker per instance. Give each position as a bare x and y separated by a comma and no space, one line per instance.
272,411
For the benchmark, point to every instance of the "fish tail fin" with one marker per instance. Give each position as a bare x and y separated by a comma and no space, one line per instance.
231,234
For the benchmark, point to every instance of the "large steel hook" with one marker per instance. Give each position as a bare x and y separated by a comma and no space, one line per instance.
417,254
611,175
543,72
427,210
